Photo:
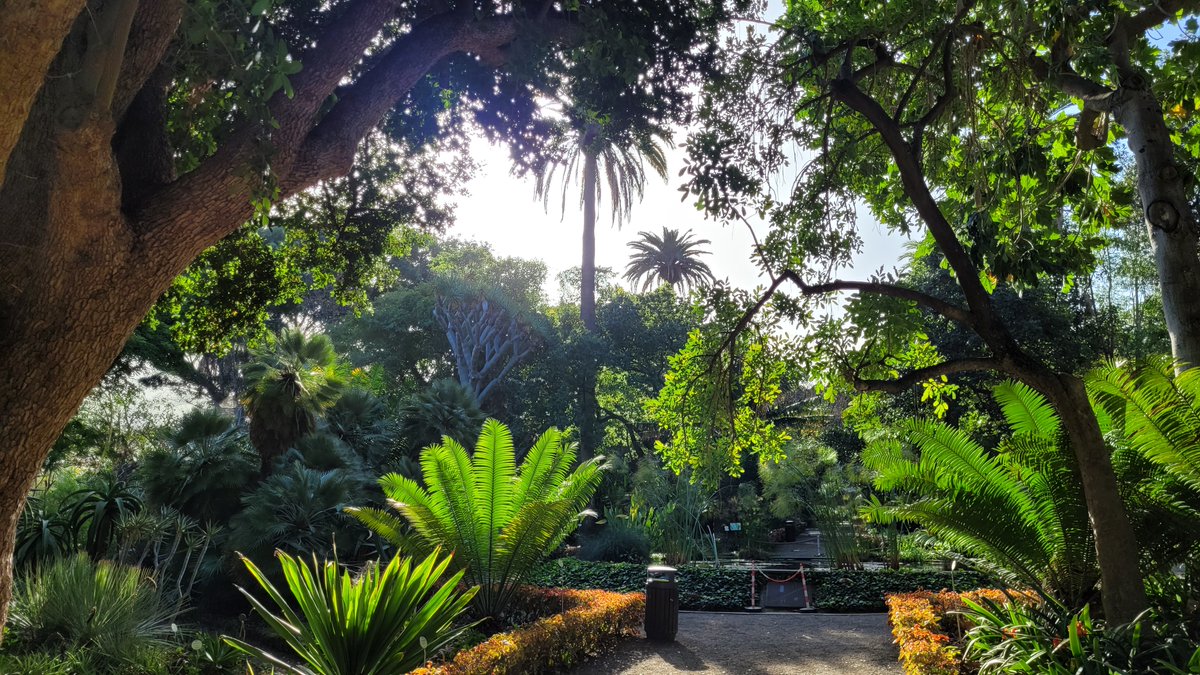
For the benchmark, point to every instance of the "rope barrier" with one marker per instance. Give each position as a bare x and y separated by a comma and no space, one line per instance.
754,572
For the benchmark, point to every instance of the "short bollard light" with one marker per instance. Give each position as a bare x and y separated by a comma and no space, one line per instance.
662,603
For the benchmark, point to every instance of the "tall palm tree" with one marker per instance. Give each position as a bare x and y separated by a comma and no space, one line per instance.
290,383
595,154
671,259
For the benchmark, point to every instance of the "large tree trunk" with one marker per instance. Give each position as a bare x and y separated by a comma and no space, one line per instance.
1122,590
1169,219
89,238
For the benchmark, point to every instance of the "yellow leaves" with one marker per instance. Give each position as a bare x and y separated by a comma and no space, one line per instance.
1178,112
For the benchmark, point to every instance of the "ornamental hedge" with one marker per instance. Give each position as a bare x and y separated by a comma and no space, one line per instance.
928,630
724,589
587,623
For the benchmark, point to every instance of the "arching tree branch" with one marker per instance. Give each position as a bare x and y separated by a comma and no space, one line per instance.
31,34
913,378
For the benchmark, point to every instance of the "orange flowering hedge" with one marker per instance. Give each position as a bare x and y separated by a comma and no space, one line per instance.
590,623
926,630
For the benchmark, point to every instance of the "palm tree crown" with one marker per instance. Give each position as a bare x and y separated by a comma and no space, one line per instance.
291,383
598,154
671,258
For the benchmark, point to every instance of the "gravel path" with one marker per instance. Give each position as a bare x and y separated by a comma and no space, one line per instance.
760,644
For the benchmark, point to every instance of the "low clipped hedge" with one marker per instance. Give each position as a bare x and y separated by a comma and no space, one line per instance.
723,589
589,622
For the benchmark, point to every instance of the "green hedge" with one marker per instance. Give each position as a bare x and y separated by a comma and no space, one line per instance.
709,588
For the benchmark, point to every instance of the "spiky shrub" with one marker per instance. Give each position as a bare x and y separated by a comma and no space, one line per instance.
202,469
290,384
385,621
444,409
1020,513
105,608
1027,638
297,509
499,520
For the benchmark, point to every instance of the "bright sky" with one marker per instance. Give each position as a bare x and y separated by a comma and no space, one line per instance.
503,211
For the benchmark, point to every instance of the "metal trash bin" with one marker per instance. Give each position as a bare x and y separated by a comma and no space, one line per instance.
662,603
789,530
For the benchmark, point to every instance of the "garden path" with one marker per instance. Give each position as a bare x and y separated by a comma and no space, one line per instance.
773,643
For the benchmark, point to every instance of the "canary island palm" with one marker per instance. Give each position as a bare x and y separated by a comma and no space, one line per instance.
500,520
1019,513
387,620
671,259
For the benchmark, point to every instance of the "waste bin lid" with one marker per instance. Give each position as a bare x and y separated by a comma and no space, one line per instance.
661,571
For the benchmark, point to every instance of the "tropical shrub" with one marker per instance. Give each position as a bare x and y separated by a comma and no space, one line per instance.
96,510
298,510
1020,512
622,538
924,649
589,622
1026,638
290,383
445,409
43,534
384,621
500,520
105,608
203,468
928,627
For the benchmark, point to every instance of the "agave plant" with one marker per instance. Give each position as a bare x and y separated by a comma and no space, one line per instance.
499,520
1020,512
41,535
385,621
97,509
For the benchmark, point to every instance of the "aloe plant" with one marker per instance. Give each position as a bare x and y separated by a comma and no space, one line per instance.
386,621
499,520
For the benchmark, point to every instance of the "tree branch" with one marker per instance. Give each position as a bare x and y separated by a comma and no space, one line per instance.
153,29
920,375
913,179
937,305
31,35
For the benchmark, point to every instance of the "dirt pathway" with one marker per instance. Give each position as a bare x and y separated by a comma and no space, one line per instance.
760,644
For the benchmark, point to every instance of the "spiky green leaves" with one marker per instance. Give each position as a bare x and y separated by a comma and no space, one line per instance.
498,518
386,621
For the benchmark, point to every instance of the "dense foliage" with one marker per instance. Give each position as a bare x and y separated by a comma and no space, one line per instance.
498,519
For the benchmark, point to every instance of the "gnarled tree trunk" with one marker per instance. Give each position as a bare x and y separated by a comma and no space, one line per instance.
93,226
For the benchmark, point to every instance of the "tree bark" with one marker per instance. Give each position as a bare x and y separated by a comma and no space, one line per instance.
1111,528
84,254
1170,222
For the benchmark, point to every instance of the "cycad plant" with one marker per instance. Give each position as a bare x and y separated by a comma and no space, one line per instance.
671,259
290,384
500,520
387,620
1019,513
